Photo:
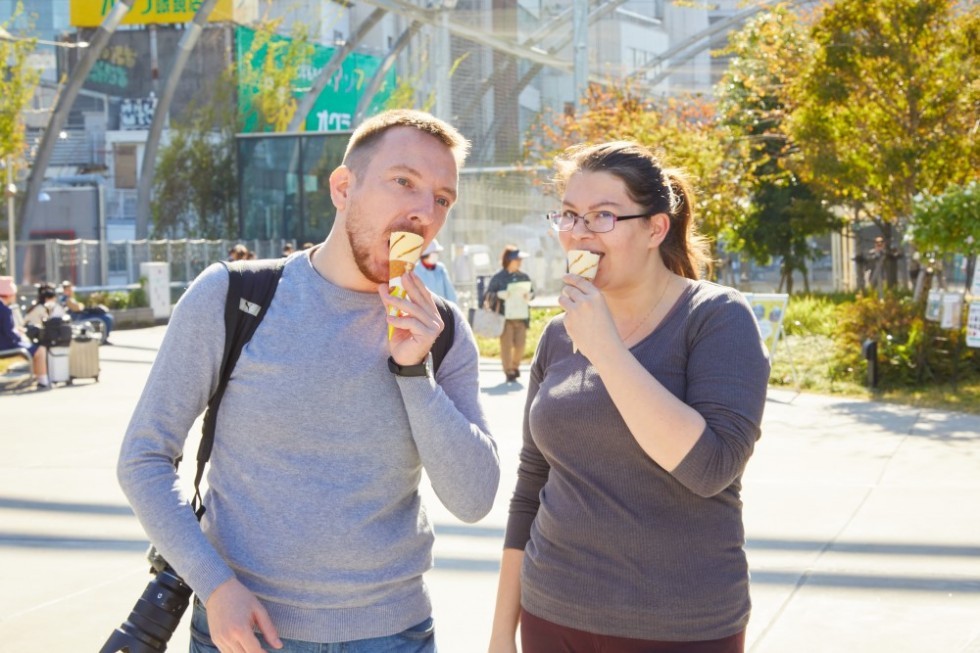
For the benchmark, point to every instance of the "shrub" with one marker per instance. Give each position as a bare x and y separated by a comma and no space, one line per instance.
911,350
813,314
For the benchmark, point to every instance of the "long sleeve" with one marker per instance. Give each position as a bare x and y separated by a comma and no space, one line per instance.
727,377
450,429
532,471
181,380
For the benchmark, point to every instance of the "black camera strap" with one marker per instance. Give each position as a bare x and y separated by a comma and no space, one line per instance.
251,287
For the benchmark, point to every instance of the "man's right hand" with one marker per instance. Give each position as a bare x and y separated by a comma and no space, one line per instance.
233,613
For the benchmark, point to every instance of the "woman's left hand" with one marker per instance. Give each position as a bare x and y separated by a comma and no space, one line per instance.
587,318
417,324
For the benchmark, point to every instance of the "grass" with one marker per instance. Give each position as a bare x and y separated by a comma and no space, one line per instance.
809,348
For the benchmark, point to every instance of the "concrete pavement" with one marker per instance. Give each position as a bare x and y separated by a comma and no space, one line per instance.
863,522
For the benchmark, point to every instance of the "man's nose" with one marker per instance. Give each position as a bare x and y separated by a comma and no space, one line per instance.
424,210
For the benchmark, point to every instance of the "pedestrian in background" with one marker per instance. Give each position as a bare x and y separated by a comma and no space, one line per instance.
625,532
434,274
510,279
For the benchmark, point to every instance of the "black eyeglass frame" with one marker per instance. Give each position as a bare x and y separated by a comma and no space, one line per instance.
552,216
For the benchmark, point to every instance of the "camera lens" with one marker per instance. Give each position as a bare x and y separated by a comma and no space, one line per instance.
154,618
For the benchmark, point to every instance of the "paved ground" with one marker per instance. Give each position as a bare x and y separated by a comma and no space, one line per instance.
863,522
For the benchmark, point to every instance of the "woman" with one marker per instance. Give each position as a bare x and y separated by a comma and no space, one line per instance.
625,530
509,279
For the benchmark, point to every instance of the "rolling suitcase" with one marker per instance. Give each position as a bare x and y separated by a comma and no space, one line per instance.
58,371
83,358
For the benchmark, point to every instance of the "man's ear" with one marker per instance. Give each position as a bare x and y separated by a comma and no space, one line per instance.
340,182
659,228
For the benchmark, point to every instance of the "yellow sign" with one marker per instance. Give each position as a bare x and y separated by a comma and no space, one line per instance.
91,13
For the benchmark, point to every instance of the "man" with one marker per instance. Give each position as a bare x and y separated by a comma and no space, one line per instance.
434,274
314,530
80,313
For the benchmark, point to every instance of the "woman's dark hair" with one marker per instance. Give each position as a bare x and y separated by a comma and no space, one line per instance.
45,292
509,254
658,190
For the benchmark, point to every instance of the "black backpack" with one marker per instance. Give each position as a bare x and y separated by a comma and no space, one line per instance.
251,287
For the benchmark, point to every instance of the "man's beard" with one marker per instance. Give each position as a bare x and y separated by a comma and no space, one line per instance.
361,245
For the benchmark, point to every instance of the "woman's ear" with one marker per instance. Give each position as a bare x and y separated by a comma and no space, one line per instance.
659,228
340,181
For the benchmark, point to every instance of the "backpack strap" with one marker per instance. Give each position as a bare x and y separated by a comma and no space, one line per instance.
445,339
251,286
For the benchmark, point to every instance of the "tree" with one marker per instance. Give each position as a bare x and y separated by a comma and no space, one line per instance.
784,212
887,107
948,223
684,132
196,184
17,83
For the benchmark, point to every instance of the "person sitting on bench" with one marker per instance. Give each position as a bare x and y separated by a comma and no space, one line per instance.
11,338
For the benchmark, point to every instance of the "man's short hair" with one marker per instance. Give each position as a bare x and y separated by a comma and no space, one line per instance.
367,136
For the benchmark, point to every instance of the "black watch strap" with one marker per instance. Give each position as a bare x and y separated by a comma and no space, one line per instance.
419,369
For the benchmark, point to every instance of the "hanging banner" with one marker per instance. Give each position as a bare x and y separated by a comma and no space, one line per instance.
952,317
975,288
934,305
334,108
769,310
91,13
973,325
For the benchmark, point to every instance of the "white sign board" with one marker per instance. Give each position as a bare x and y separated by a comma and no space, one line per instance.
952,316
934,305
975,288
769,310
973,325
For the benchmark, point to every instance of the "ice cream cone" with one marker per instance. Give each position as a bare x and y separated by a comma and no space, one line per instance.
583,263
404,249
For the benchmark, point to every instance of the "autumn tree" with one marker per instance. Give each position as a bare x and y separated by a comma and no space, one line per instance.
684,132
887,106
784,212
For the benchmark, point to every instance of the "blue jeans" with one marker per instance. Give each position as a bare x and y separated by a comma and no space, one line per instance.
420,638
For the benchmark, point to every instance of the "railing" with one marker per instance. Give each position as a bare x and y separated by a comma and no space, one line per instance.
94,265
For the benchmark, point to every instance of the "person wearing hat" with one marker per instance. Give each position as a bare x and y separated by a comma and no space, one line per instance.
434,274
514,336
11,338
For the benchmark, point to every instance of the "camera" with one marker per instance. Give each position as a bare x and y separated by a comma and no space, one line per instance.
156,614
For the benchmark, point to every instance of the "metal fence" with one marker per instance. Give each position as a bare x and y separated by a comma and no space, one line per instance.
92,264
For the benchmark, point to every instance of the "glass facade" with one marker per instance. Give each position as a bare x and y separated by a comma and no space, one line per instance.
285,190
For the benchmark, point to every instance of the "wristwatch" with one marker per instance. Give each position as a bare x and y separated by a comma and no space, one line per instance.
419,369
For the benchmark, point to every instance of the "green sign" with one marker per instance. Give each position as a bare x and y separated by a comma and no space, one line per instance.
335,107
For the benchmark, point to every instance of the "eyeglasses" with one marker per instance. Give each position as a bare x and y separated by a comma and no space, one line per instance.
598,222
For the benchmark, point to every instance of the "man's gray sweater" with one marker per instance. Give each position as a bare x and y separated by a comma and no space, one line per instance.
312,497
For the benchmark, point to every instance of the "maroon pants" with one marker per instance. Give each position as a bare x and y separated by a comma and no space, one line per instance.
540,636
